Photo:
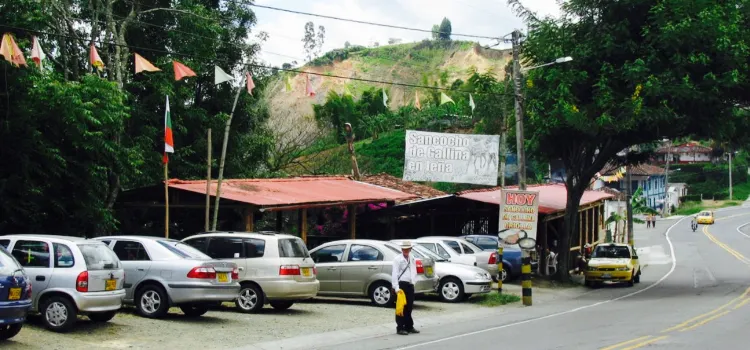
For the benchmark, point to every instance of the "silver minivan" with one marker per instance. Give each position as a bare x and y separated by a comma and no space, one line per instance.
69,276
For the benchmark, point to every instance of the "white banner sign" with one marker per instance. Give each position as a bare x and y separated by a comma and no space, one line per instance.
519,210
458,158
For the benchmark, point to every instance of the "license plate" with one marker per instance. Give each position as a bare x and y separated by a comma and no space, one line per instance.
110,284
14,294
485,288
223,277
606,275
428,270
306,272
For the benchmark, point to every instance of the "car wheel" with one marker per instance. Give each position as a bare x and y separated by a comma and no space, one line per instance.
193,310
380,295
281,304
152,302
58,314
637,278
631,282
451,290
8,331
102,316
504,276
250,298
588,284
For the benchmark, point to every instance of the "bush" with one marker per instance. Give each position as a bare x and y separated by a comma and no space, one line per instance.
690,198
720,196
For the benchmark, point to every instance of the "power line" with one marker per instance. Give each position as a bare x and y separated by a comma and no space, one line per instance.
256,65
368,23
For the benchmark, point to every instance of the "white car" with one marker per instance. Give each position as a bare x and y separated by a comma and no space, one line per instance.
457,282
461,251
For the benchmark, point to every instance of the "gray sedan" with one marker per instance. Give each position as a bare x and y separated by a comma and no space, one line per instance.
456,281
160,273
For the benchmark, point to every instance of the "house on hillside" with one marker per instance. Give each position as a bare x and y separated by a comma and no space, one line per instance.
652,179
686,153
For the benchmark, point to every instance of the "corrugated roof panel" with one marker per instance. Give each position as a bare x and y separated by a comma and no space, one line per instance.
552,198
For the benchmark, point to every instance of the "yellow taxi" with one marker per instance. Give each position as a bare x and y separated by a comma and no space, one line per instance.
615,262
705,217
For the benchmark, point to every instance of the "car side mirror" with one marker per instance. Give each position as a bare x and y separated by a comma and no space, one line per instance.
635,257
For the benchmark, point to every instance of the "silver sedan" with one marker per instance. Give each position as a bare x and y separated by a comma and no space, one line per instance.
160,273
456,281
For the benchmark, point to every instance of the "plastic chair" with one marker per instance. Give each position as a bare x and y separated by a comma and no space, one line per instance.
551,263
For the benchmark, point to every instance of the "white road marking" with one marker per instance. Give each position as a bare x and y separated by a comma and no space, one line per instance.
740,231
674,264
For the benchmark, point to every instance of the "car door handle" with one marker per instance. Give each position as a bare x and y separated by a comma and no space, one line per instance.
141,269
40,278
331,269
372,268
241,268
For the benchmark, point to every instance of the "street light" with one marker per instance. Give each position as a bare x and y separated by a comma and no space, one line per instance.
559,60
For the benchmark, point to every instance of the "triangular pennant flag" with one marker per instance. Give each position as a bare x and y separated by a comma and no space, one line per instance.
385,99
416,101
472,104
288,84
445,99
37,55
308,87
94,58
141,64
250,83
168,139
221,76
181,70
9,49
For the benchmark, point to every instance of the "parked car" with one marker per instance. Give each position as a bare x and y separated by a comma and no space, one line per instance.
362,267
441,245
161,272
69,276
457,282
616,262
274,268
15,295
511,254
705,217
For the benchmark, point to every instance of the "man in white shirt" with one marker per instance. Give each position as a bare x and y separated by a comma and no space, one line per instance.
403,277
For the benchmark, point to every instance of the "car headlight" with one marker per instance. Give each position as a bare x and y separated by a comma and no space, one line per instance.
591,268
624,268
481,276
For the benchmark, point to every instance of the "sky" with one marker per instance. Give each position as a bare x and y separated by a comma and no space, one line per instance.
477,17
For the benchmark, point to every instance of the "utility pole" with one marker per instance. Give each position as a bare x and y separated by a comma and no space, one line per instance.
516,41
730,175
664,210
629,204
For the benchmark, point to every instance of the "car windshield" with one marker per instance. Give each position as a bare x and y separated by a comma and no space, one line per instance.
612,252
705,213
472,246
183,250
99,257
292,248
426,252
8,264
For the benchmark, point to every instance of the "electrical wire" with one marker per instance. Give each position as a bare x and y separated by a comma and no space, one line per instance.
255,65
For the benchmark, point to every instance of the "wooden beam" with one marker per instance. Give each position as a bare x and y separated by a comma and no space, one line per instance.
586,220
303,224
249,219
172,206
353,221
580,229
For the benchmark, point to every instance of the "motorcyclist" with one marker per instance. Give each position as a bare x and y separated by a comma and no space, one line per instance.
694,224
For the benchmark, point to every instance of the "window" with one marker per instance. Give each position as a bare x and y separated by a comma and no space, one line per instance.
485,243
466,248
183,250
198,243
393,248
106,242
292,248
225,248
99,257
453,245
32,253
330,254
442,252
4,243
429,246
254,248
364,253
130,251
63,255
8,265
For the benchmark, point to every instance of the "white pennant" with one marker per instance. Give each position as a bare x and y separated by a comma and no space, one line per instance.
221,76
471,104
385,99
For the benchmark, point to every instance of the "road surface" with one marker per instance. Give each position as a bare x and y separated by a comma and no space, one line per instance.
694,294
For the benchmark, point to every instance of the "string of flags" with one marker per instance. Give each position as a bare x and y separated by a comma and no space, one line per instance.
619,175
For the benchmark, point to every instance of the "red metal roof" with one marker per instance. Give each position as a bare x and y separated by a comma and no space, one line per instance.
297,191
552,198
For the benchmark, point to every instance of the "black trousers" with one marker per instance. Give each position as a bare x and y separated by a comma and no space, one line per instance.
405,322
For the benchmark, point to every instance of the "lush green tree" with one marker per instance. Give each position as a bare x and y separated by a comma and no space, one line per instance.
445,29
642,70
435,32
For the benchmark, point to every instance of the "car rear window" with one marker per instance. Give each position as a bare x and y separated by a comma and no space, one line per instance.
8,264
99,257
183,250
292,248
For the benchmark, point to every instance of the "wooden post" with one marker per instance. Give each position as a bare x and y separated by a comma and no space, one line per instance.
303,224
279,220
350,144
249,219
166,197
227,126
580,229
208,183
543,260
353,221
586,219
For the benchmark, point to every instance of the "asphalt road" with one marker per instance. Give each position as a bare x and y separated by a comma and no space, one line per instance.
694,294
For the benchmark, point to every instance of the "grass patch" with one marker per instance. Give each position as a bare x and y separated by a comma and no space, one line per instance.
493,299
692,208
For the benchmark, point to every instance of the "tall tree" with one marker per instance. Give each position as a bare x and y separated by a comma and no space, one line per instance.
642,70
313,41
445,29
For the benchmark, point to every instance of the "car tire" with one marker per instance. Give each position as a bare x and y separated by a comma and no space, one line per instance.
588,284
58,314
152,301
193,310
8,331
506,276
451,290
382,295
102,317
281,304
631,282
250,299
637,278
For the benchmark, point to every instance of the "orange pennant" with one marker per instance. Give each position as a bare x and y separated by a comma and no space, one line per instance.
308,87
250,83
142,64
9,49
94,58
181,71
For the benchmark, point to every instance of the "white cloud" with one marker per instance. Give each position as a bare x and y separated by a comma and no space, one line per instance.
477,17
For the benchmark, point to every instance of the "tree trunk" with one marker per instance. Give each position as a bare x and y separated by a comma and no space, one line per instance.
570,231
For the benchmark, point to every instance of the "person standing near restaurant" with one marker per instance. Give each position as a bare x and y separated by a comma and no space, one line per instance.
403,277
648,220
